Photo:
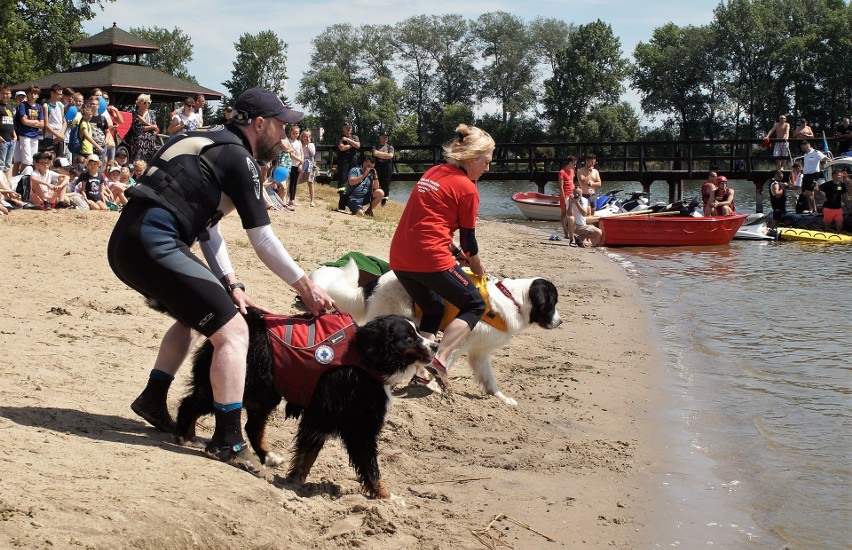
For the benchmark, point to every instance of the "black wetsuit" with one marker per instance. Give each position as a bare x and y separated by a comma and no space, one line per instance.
191,182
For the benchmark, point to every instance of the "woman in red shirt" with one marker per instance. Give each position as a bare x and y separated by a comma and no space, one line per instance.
421,254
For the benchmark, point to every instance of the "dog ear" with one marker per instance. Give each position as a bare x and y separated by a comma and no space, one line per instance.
543,298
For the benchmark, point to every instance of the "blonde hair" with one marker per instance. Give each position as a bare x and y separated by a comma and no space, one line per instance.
305,133
143,98
141,164
469,143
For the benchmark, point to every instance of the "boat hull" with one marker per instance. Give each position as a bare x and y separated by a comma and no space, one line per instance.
538,206
670,231
790,234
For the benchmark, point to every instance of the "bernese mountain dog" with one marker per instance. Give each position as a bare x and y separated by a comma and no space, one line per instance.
349,401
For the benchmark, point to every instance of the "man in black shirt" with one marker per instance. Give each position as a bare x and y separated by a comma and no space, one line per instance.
347,147
191,183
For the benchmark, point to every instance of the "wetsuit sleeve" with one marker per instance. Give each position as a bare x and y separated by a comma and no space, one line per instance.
272,253
216,253
467,238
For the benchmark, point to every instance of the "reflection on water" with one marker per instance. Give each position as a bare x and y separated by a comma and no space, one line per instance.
759,335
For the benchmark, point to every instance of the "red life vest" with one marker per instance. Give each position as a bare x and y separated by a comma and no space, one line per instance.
304,347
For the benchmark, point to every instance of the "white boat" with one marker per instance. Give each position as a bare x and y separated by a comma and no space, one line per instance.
538,206
755,229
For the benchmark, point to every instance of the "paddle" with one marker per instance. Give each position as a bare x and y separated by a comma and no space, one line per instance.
595,219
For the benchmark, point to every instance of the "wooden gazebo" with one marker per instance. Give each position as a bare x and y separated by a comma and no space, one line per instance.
122,80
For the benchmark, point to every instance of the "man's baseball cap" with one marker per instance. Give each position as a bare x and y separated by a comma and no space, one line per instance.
256,102
721,179
347,124
93,158
384,133
20,92
121,153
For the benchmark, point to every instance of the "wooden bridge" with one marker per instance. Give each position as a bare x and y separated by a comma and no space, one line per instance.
646,162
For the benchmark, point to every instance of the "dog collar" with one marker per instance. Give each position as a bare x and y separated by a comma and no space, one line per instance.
505,291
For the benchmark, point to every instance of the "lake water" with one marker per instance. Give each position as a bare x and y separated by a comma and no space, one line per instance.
757,339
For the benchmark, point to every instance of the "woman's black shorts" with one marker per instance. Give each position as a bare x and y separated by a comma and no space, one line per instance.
429,290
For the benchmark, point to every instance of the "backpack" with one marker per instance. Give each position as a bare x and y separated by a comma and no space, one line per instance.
75,143
97,132
23,188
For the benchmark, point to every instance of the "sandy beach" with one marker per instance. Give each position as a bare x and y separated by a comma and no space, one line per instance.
566,468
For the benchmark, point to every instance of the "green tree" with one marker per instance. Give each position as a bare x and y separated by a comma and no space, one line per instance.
343,85
261,61
510,70
587,72
36,36
609,123
175,50
675,77
413,48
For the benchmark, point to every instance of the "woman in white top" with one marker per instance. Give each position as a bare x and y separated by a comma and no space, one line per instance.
306,172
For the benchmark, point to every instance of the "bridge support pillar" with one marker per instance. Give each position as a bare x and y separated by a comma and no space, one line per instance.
675,190
646,185
540,182
758,195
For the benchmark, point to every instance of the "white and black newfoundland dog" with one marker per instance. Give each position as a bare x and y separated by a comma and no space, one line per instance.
521,303
348,401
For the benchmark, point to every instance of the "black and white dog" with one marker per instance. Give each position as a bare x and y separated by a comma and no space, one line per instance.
348,401
521,303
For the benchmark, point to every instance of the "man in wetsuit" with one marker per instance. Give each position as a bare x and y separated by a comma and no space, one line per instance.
192,182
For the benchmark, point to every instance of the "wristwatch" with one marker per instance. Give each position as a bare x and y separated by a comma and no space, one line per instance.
239,285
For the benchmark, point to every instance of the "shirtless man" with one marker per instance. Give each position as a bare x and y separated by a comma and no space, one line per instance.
590,180
708,190
803,131
779,134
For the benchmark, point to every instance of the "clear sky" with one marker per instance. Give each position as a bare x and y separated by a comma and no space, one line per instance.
215,25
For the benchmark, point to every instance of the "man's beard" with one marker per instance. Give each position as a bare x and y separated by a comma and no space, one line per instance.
267,148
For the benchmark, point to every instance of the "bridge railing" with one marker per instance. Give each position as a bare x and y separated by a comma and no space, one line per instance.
639,160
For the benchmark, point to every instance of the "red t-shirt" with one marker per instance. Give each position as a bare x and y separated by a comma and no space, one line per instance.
566,181
442,201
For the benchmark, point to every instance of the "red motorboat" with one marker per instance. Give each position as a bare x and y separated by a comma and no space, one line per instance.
650,230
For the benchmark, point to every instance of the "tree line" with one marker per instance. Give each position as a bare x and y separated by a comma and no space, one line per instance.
541,80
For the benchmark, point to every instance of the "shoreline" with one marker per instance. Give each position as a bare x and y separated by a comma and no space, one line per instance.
571,461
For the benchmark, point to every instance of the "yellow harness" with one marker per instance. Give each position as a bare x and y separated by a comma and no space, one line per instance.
490,316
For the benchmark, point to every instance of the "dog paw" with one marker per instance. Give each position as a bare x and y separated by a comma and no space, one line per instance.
505,399
273,460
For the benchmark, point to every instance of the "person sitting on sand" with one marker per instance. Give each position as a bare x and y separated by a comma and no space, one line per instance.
93,184
579,206
363,189
47,188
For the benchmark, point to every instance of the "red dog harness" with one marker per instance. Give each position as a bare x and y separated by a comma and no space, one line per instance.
304,347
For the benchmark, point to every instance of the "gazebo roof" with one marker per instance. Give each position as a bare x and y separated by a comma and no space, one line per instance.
114,42
124,82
